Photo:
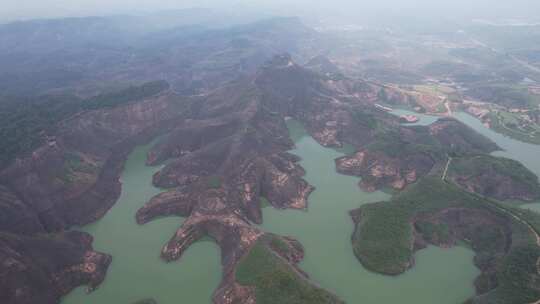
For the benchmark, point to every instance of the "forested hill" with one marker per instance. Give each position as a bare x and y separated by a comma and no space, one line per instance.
26,121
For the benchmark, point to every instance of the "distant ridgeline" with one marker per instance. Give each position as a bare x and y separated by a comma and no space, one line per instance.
25,121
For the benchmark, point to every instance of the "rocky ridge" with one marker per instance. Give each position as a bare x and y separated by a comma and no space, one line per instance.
43,268
231,153
223,152
397,158
73,179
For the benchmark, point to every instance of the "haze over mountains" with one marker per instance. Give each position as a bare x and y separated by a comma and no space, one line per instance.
369,11
222,97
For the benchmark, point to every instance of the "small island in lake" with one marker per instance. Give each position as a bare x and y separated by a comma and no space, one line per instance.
409,119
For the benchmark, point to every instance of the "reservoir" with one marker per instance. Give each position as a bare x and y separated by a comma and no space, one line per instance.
324,230
443,276
137,272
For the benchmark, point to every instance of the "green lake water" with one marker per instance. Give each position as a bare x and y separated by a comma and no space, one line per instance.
424,119
443,276
137,272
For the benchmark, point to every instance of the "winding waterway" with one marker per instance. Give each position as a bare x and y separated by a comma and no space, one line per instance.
443,276
137,272
527,154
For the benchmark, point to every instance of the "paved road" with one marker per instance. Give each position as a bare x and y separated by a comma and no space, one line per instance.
446,169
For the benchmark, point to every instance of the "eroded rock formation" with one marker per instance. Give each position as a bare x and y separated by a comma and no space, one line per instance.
399,157
217,181
222,153
232,152
73,179
42,268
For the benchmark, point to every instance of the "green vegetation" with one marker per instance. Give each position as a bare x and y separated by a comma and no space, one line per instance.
419,140
508,95
434,89
441,108
365,119
264,202
214,182
275,280
73,165
279,245
462,140
530,216
373,119
434,233
516,277
133,93
42,246
392,144
477,165
509,38
391,223
25,121
383,239
384,236
382,95
479,55
445,68
514,126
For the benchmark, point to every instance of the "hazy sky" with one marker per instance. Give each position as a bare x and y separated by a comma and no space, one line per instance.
23,9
